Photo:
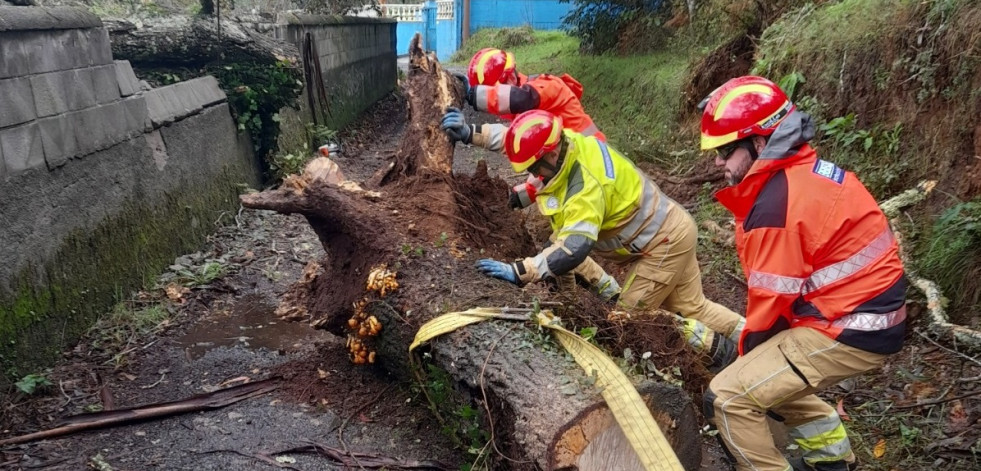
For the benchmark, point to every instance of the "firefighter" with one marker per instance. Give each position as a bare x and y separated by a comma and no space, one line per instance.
493,85
598,201
826,296
500,90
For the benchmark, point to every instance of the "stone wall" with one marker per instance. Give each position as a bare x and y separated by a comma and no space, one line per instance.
357,59
103,180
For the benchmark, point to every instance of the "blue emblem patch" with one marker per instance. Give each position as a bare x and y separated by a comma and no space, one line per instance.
830,171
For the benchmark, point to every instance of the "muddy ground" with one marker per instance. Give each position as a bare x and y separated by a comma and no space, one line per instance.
224,330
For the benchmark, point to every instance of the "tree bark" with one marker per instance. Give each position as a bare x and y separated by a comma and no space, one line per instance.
544,412
183,41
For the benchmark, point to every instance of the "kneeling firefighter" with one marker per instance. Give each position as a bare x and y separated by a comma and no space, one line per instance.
598,201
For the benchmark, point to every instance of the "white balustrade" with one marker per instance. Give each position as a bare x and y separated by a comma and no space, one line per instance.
413,11
444,10
403,11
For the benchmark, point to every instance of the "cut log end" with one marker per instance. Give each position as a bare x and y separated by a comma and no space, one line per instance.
594,441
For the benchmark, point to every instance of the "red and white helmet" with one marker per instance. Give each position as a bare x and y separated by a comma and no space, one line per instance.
531,135
743,107
490,66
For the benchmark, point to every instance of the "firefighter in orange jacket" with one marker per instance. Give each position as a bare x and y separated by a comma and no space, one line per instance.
493,85
826,286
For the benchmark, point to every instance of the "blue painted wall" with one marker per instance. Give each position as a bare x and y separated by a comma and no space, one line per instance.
540,14
404,32
445,35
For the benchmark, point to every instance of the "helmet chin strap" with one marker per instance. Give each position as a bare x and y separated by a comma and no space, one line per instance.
558,164
751,148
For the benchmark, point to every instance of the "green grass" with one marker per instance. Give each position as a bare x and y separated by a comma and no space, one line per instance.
951,255
117,331
634,100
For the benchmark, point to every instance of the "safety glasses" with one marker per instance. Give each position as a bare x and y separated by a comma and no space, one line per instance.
725,152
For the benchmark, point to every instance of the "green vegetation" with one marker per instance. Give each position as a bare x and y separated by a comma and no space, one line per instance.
715,236
91,269
875,69
119,330
463,424
256,93
634,100
951,257
33,382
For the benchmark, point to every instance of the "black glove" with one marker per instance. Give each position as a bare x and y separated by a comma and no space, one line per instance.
465,81
514,201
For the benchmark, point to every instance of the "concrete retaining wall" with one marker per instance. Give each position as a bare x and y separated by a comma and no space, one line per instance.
357,58
102,181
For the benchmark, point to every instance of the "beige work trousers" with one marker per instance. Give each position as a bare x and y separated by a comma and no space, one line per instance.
667,276
764,380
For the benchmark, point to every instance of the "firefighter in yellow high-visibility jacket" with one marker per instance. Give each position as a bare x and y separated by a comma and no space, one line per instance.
598,201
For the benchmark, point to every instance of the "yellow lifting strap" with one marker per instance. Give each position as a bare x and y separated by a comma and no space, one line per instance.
621,396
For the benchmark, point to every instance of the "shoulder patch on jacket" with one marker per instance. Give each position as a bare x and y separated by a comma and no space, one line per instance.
829,170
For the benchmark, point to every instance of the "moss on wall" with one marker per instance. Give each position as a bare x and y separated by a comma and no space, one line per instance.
55,304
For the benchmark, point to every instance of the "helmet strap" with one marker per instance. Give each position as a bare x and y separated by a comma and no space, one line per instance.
563,148
750,147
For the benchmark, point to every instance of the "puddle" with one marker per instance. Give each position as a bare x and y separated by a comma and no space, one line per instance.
249,322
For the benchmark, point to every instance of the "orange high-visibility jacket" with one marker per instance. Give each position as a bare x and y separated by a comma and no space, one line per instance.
815,248
557,95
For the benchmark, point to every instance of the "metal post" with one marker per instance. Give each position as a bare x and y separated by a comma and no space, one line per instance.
466,22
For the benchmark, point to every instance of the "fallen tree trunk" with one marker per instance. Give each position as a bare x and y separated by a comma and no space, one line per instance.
194,41
400,250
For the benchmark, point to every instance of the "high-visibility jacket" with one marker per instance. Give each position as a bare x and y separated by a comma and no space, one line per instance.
816,249
600,197
557,95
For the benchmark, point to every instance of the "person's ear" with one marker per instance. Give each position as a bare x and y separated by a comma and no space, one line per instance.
759,142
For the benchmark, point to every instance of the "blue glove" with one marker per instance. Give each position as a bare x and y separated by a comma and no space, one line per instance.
455,126
466,83
499,270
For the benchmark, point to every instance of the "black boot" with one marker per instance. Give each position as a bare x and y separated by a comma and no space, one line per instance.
841,465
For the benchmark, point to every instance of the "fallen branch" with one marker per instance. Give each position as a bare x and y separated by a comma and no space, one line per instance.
367,460
940,324
938,401
215,400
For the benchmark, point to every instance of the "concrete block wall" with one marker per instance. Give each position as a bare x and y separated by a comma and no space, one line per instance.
357,58
102,182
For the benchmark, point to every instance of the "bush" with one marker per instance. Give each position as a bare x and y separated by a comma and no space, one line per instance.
599,24
953,254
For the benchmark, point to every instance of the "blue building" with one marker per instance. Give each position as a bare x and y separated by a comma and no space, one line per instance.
444,24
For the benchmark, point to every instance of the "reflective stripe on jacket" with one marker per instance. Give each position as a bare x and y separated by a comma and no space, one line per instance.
816,249
602,196
557,95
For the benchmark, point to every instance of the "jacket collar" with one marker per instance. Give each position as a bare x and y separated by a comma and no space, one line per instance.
786,147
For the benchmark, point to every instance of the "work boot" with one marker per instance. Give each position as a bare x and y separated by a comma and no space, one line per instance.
841,465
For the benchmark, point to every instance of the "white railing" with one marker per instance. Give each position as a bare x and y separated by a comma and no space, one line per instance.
413,11
402,11
444,10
